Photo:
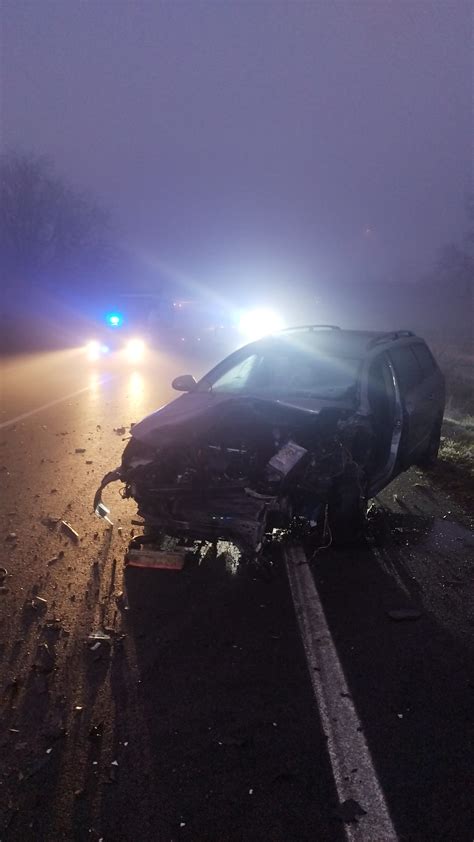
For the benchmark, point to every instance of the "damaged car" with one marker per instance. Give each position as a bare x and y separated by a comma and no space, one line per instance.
292,433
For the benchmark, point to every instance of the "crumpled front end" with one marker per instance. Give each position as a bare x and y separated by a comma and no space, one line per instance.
253,467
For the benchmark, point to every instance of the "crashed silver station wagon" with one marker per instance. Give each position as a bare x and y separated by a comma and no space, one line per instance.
291,433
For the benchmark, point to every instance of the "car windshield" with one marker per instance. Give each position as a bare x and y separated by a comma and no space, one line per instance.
285,372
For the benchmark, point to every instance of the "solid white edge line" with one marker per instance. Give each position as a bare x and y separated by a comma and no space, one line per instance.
347,747
31,412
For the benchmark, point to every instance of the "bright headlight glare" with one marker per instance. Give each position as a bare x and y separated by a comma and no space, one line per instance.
135,350
93,350
257,323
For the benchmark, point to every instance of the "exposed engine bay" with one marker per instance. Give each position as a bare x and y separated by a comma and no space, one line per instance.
246,468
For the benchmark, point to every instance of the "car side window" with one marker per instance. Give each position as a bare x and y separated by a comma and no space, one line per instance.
425,359
407,367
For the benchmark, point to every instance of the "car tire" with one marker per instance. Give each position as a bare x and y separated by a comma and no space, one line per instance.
347,509
430,457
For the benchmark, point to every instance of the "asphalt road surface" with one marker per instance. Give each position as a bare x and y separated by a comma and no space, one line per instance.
228,705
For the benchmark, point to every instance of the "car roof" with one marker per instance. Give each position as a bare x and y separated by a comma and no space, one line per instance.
347,342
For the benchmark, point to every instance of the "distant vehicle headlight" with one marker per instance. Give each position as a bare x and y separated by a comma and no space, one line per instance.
135,350
95,350
257,323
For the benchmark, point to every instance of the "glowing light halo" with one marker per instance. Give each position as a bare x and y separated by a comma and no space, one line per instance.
135,350
254,324
93,350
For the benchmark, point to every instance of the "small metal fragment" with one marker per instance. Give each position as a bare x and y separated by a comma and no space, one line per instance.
99,636
39,602
102,511
69,531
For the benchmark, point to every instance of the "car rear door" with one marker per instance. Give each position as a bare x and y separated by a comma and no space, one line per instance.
432,390
417,422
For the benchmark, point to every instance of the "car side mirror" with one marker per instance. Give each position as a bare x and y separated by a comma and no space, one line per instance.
184,383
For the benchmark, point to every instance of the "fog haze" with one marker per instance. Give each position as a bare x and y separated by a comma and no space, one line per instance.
244,141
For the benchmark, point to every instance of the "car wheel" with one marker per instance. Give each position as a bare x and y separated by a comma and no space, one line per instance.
430,457
347,509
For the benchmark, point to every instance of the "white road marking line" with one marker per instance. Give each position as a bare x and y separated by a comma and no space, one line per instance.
347,747
48,405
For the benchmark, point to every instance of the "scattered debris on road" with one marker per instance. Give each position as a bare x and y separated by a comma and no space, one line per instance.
97,640
122,601
401,503
12,536
96,731
69,531
80,450
120,431
156,558
103,512
39,603
55,625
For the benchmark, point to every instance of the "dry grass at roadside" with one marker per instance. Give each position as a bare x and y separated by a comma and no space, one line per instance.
457,365
454,471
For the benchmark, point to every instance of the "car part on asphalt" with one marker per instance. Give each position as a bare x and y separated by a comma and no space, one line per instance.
38,602
139,555
70,531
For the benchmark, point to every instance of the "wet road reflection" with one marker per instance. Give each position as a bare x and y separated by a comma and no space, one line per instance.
35,381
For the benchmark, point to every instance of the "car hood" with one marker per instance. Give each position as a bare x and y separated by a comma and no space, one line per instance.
195,412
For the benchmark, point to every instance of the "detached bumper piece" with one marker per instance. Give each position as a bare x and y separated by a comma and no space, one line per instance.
148,555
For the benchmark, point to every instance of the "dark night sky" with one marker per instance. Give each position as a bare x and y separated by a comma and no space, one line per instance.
244,141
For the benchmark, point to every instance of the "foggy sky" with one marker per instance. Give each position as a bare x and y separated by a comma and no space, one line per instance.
248,141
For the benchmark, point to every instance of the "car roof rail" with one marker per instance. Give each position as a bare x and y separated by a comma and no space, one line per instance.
310,327
390,337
